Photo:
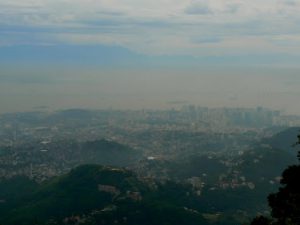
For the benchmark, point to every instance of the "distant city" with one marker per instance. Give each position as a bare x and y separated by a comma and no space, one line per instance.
41,144
238,153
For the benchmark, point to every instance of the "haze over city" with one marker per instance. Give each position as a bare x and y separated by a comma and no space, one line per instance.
159,54
148,89
149,112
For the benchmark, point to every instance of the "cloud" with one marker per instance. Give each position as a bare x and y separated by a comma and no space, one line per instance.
172,27
198,8
289,2
204,7
206,40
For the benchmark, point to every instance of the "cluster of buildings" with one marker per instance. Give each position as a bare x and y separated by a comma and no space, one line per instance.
30,141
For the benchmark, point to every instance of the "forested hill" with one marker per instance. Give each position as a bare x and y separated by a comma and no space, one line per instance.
93,194
284,140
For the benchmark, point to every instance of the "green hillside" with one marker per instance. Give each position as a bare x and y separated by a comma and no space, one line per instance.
108,153
102,195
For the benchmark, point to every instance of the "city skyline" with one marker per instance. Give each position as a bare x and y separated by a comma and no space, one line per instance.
137,54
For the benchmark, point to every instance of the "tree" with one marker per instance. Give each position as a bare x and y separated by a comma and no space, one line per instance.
260,220
285,204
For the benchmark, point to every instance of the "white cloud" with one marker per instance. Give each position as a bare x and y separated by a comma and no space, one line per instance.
157,26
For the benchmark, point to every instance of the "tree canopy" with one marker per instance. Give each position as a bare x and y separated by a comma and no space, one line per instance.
285,204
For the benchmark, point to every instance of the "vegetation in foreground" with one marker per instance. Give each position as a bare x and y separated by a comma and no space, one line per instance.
285,204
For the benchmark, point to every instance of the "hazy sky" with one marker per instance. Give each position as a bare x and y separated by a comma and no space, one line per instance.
192,27
147,54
